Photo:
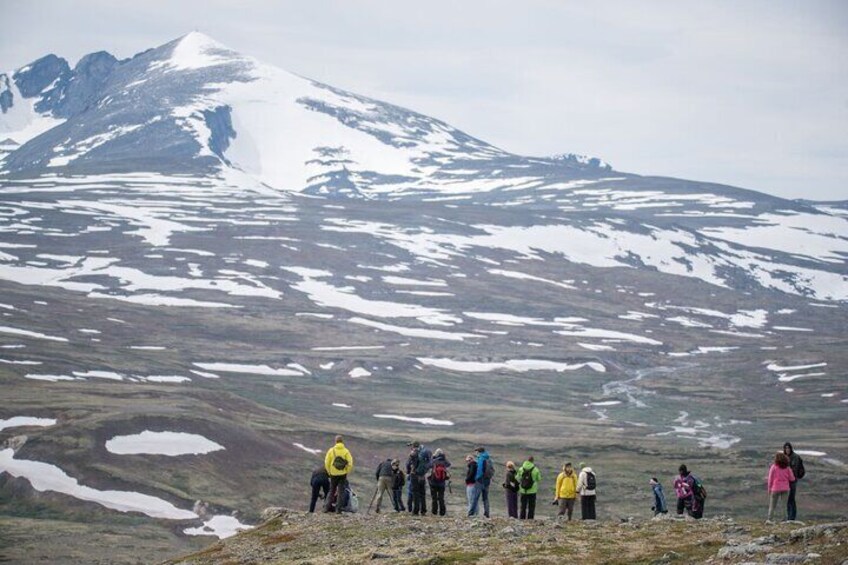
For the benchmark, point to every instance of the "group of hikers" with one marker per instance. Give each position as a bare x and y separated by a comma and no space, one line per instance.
521,485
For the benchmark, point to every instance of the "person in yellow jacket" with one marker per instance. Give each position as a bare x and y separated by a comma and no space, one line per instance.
339,464
566,491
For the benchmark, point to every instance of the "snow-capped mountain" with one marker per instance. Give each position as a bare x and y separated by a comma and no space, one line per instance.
193,105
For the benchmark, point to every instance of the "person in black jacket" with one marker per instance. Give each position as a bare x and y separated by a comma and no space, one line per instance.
411,461
438,480
384,476
398,480
797,466
470,479
511,486
320,481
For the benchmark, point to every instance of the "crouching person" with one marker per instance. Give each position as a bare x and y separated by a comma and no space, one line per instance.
319,482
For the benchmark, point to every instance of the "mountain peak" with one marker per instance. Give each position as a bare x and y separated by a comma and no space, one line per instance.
196,50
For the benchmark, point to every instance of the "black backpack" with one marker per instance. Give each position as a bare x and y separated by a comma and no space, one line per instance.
700,491
488,469
421,465
526,478
590,481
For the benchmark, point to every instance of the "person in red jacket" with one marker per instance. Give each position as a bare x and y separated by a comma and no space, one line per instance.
780,476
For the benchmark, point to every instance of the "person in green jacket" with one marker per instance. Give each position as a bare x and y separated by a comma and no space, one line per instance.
529,477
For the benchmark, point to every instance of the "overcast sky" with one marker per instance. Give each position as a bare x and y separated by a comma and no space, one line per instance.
753,93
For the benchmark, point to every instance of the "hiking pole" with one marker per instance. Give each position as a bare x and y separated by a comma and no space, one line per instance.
450,490
373,497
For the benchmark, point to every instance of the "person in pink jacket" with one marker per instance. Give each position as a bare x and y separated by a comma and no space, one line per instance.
780,475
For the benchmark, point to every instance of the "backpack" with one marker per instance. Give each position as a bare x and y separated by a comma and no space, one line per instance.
351,502
440,473
682,488
339,462
527,481
590,481
421,465
488,470
801,471
700,491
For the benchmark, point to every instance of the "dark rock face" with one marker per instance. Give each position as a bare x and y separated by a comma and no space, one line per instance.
86,84
35,77
6,98
220,125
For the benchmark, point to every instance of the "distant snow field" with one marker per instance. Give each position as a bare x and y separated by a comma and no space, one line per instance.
307,449
171,444
249,369
219,526
21,421
46,477
424,421
516,365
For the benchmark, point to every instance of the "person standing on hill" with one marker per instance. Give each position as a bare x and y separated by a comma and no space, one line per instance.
482,479
470,480
659,497
529,477
566,491
780,477
797,466
320,481
411,461
339,464
398,480
684,488
510,486
419,482
586,488
418,476
384,476
439,478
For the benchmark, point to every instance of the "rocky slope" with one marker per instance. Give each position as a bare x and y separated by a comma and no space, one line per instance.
292,537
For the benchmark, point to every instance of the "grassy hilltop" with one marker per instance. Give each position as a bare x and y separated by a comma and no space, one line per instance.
292,537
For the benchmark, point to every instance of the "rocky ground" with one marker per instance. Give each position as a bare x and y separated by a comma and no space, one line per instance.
296,537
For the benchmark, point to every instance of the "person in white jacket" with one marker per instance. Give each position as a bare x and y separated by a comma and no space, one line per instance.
586,485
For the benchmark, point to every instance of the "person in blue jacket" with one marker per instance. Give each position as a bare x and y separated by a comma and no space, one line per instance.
659,506
482,480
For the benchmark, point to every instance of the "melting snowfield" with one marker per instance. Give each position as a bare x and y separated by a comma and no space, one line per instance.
22,421
219,526
424,421
701,432
515,365
161,443
249,369
45,477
